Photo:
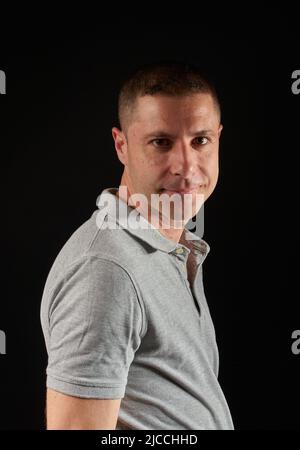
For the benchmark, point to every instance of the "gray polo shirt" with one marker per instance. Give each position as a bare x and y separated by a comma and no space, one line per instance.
122,320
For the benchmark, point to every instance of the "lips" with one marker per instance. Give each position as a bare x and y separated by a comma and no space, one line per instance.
180,191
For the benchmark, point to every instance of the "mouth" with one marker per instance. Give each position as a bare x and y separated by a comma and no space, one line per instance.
179,191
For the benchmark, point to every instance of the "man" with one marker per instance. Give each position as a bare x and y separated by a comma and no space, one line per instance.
130,340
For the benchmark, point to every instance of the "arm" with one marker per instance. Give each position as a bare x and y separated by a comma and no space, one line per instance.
91,320
65,412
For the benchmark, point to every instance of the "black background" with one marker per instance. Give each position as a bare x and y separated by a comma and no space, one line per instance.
58,155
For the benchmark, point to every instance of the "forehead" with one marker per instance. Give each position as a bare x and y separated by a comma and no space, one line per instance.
161,110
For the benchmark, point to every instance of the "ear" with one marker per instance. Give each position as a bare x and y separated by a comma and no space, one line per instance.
220,129
120,144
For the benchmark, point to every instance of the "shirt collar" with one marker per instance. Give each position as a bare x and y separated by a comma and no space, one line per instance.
189,241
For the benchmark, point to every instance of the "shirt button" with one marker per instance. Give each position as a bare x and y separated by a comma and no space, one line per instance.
179,251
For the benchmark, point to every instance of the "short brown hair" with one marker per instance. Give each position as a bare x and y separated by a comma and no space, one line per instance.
166,78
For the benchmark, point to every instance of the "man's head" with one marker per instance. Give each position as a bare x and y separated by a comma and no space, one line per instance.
170,128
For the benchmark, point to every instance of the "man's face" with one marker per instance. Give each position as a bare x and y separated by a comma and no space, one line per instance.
171,144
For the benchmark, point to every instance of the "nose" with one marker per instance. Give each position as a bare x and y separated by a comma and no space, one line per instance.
183,161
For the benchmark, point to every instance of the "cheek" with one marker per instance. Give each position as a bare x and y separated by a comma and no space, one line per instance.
213,174
211,164
153,165
145,171
137,165
155,160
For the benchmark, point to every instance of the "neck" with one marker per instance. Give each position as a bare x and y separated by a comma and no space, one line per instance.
173,234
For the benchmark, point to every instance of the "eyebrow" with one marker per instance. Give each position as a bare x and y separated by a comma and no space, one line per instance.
163,134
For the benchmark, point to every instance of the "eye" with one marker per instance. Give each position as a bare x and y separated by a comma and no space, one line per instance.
161,142
201,140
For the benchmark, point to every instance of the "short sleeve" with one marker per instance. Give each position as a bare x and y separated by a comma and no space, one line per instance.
95,322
